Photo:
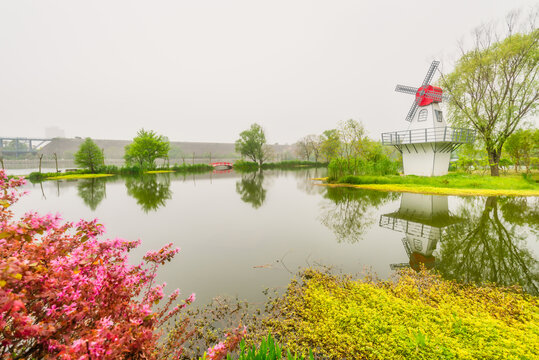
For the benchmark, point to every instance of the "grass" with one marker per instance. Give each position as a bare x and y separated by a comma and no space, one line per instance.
77,176
417,316
159,171
451,184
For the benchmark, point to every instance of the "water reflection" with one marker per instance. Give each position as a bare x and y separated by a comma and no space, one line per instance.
92,191
150,190
488,248
250,189
352,211
481,243
421,218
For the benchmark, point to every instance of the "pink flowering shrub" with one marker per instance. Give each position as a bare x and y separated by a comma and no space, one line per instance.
65,294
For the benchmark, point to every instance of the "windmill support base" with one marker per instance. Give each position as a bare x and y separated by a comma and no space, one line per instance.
427,161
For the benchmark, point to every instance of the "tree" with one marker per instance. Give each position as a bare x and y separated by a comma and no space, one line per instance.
307,146
89,155
147,147
251,144
494,86
521,146
330,144
303,148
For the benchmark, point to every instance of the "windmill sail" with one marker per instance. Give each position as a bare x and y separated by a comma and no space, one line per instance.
406,89
430,73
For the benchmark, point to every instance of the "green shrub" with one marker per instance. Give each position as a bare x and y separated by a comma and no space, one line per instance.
382,165
245,166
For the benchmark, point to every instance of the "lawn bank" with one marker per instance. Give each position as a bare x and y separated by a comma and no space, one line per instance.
451,184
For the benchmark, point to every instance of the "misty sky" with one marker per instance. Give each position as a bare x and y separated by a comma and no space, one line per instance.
203,70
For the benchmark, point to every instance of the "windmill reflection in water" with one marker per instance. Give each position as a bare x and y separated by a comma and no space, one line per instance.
422,219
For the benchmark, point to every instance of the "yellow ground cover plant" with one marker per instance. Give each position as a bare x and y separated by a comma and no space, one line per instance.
416,316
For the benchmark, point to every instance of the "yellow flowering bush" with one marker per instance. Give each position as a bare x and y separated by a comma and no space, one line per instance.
419,315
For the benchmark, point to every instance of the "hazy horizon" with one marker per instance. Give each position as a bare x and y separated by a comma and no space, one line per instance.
204,71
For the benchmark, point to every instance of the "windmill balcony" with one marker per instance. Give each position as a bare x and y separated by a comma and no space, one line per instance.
430,135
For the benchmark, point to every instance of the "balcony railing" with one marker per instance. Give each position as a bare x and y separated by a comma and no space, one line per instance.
430,135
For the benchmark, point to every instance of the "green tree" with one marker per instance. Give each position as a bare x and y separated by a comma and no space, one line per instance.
147,147
251,144
522,146
330,144
494,86
89,155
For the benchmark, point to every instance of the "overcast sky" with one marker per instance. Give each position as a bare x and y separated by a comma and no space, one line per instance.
203,70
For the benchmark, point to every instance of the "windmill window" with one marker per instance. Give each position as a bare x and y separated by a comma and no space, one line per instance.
422,115
439,117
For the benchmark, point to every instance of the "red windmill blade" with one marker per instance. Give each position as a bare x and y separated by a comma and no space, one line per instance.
424,95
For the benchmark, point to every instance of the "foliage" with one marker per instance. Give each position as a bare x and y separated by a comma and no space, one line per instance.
379,165
522,146
308,146
251,144
416,316
268,350
89,156
66,294
494,85
330,144
245,166
146,147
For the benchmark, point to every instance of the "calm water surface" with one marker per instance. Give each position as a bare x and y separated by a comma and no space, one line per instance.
243,233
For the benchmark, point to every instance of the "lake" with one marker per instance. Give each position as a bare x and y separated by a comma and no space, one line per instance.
243,233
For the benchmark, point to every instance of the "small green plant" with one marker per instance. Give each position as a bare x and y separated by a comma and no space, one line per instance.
268,350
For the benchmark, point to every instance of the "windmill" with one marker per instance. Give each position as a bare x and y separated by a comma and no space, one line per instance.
427,144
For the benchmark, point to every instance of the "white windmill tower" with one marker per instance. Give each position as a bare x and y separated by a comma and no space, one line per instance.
427,144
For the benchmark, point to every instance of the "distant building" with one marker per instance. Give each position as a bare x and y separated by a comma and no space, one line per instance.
54,132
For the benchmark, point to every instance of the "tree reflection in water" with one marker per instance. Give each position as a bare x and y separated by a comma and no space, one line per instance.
489,247
351,211
92,191
150,190
250,189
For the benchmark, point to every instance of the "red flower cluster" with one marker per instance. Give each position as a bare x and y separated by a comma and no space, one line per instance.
65,294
